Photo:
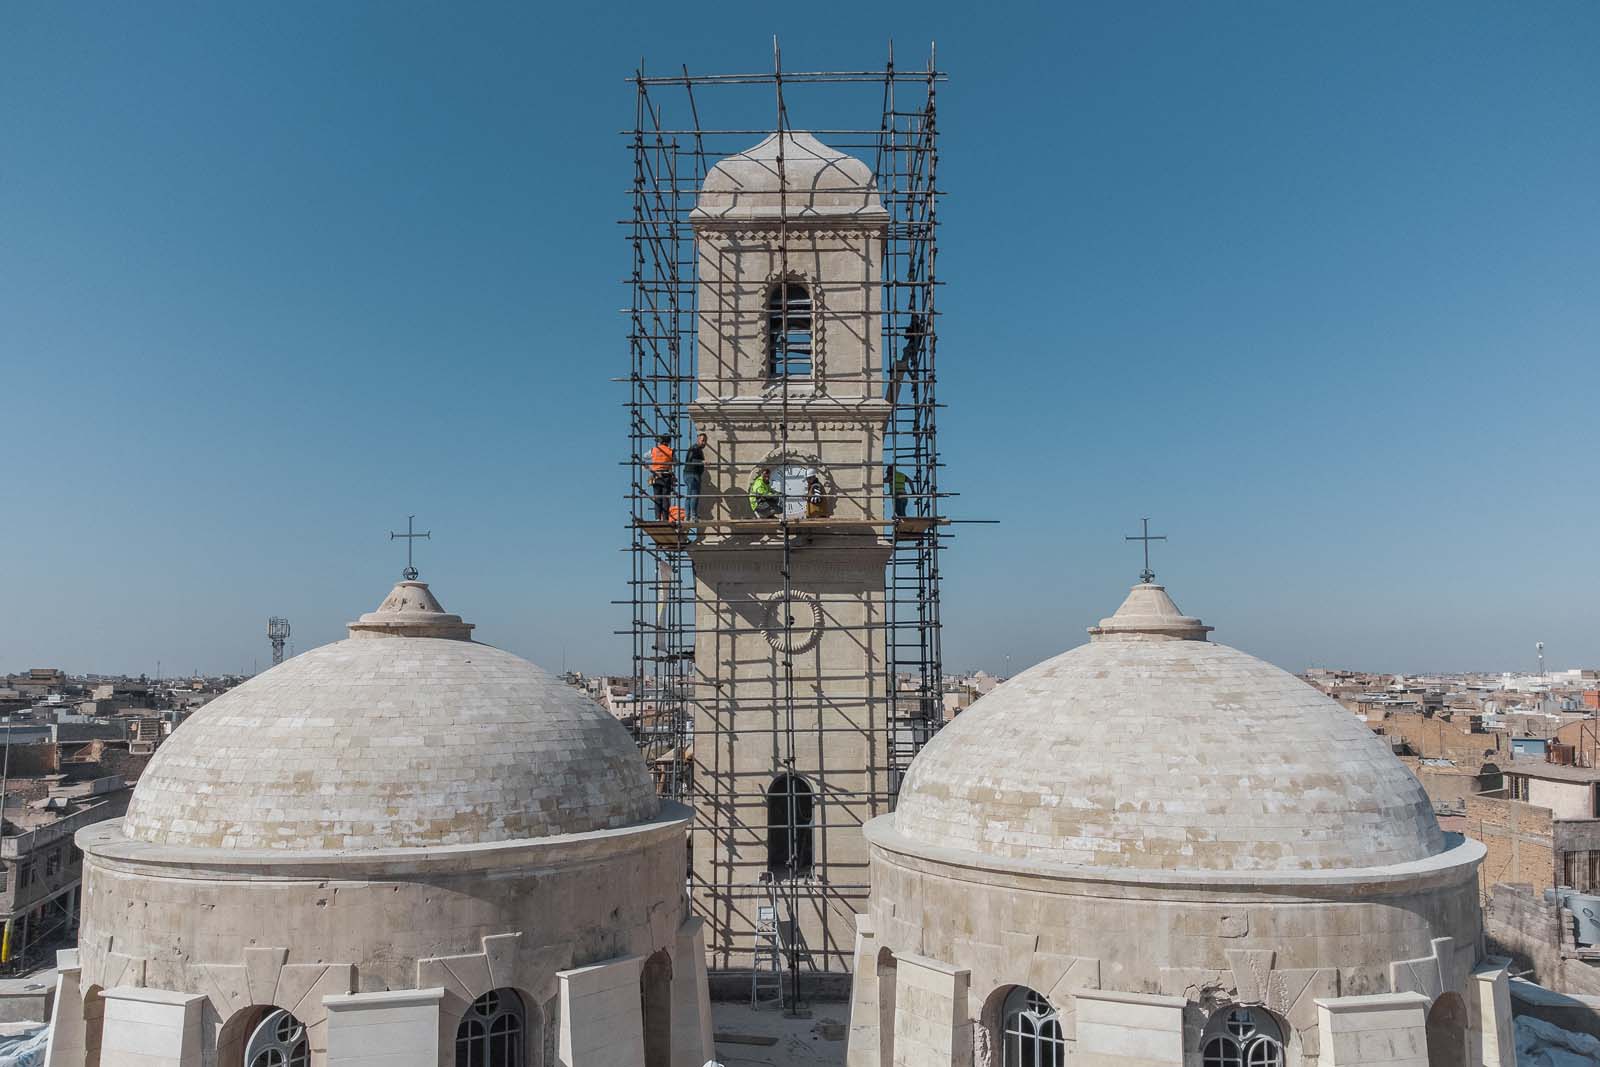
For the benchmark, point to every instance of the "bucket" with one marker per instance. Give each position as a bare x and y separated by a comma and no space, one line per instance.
1586,910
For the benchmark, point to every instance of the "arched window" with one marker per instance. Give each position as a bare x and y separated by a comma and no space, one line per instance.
1030,1031
789,827
655,1008
494,1031
1447,1031
789,330
1241,1037
279,1040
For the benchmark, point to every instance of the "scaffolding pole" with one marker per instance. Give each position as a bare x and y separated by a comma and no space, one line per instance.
672,151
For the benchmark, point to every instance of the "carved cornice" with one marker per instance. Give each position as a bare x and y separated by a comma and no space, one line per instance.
724,231
831,412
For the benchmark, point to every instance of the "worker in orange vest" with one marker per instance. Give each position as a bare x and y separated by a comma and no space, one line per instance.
661,476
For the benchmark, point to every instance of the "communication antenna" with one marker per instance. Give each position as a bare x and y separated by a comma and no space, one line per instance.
277,633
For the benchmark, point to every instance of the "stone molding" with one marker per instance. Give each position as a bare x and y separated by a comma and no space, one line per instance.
102,965
1020,962
105,846
761,414
724,234
506,961
765,425
814,565
265,977
384,998
1431,975
1449,868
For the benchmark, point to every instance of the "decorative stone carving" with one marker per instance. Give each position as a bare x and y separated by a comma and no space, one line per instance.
792,622
105,967
1430,975
505,962
265,977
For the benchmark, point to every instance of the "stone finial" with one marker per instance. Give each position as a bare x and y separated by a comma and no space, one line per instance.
411,610
1150,612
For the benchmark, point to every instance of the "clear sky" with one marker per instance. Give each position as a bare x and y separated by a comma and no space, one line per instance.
1313,285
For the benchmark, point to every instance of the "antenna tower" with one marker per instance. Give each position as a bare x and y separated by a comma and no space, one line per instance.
277,633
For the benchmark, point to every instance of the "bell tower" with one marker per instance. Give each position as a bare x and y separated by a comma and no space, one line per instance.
788,696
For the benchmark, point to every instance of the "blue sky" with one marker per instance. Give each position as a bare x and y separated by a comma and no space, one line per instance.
1315,286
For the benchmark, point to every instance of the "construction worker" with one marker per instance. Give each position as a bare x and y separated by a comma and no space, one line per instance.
694,472
661,476
764,500
816,499
899,488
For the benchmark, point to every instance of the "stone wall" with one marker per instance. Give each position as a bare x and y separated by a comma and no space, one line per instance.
1283,943
1447,787
737,269
840,744
1566,800
1518,923
1438,738
227,925
1519,839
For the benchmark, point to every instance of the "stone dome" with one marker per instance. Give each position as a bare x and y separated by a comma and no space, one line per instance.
820,182
1152,748
419,738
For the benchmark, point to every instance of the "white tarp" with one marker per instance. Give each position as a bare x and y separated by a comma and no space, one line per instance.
24,1050
1542,1044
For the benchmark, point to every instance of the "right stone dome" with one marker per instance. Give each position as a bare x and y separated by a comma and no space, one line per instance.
1153,748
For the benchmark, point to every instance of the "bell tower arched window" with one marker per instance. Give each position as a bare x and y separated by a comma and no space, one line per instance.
790,807
789,330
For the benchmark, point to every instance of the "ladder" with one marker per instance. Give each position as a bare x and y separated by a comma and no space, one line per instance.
766,973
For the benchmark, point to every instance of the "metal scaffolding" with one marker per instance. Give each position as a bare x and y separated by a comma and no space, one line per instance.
889,120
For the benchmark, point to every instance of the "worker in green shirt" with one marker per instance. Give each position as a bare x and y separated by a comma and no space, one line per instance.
764,500
899,488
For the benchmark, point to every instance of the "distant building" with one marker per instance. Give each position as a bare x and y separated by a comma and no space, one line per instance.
41,868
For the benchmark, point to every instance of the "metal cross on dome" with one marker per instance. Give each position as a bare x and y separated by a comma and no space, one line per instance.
1147,576
410,536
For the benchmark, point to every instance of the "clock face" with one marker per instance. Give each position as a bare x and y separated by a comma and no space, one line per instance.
790,483
792,623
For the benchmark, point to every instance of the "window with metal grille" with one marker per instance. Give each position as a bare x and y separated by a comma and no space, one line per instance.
1241,1037
790,811
789,330
493,1033
279,1040
1030,1031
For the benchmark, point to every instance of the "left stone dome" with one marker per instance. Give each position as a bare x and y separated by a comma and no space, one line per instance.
421,738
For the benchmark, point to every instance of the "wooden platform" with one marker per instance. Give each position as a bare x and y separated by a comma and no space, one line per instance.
677,534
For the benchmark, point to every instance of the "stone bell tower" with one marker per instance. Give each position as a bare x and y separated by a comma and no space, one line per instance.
789,708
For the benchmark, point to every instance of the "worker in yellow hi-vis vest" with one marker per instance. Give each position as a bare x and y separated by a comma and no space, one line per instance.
899,488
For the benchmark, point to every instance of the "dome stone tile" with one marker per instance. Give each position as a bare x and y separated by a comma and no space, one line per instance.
1153,748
